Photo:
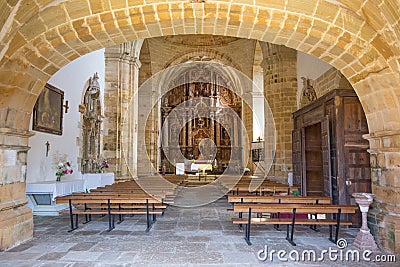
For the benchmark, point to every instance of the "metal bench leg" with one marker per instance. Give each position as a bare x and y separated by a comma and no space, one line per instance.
287,232
163,210
101,216
71,217
88,217
149,225
154,215
277,215
247,231
292,230
110,218
120,216
337,225
314,227
276,226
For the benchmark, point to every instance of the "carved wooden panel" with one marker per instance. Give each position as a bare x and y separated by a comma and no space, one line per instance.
209,106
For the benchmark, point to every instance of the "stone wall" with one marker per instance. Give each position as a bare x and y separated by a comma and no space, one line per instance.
330,80
384,218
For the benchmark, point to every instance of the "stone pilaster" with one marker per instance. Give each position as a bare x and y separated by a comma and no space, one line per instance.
16,222
146,124
280,91
120,124
384,217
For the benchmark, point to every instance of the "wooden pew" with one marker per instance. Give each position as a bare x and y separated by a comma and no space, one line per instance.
157,190
239,185
110,204
284,199
294,209
279,199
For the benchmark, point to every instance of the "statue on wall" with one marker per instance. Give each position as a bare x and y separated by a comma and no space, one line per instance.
91,126
309,94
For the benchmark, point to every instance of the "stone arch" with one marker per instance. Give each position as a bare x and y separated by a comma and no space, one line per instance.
214,55
359,38
340,34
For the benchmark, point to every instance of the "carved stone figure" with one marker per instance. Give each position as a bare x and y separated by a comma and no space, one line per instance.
91,125
308,90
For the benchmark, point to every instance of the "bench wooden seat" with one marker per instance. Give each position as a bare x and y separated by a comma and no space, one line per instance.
293,209
125,206
279,199
285,221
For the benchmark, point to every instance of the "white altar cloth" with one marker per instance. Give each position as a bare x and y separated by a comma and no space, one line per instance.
94,180
61,188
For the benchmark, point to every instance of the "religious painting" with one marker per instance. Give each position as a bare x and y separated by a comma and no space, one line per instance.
47,113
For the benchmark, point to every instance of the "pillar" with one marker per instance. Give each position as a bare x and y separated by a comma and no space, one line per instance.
16,221
384,215
120,123
280,90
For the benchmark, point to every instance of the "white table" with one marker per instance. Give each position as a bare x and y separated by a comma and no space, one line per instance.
41,195
94,180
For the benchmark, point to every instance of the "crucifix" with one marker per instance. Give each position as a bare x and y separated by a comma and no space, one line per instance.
259,139
66,106
47,148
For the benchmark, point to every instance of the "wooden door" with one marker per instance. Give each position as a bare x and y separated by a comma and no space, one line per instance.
313,160
326,157
357,170
296,158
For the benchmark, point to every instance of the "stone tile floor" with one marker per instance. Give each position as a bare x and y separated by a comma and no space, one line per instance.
201,236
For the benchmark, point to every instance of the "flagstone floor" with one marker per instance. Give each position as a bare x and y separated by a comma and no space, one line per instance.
196,236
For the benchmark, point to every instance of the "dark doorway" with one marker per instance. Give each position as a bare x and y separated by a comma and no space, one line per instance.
313,158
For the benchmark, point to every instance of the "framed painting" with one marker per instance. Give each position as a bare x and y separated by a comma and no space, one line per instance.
48,111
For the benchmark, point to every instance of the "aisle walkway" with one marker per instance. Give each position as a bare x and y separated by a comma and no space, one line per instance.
195,236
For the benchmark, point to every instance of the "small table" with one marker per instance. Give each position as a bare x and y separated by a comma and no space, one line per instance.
41,195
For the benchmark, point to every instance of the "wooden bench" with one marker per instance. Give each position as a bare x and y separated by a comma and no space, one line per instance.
279,199
284,199
294,209
89,204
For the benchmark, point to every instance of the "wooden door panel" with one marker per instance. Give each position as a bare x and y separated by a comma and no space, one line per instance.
326,156
313,160
356,164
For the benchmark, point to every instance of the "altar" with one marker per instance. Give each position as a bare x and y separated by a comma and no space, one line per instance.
201,166
41,195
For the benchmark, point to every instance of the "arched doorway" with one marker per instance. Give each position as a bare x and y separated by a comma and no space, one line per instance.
345,34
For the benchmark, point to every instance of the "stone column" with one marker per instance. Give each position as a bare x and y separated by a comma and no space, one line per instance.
121,84
145,116
384,216
280,90
16,222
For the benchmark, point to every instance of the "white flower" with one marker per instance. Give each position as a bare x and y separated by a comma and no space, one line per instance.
60,164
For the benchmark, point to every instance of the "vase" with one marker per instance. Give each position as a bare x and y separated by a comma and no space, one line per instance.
58,179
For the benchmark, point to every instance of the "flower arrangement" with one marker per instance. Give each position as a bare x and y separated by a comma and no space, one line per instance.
63,168
101,166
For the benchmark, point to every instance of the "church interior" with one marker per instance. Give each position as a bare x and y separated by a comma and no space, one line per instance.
214,109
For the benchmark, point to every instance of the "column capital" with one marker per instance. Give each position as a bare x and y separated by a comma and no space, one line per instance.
136,62
14,138
384,141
